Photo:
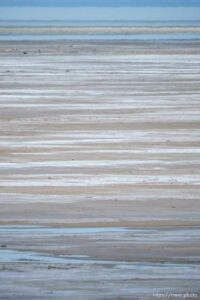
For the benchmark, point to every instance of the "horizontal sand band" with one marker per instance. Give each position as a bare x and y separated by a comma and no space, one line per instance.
97,30
153,224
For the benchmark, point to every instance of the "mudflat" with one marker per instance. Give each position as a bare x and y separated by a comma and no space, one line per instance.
99,169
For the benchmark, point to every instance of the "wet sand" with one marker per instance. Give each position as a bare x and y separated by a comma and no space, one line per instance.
99,169
97,30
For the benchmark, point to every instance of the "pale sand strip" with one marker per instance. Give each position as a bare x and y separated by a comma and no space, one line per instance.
97,30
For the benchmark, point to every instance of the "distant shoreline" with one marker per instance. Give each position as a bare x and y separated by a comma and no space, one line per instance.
99,33
97,30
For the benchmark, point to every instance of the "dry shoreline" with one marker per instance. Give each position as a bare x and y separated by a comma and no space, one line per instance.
99,169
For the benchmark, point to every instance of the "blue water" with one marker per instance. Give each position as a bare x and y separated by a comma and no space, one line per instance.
36,17
101,37
107,14
99,23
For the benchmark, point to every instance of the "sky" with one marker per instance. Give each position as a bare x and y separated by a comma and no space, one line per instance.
114,3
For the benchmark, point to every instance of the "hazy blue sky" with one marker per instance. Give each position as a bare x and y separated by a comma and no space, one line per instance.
100,2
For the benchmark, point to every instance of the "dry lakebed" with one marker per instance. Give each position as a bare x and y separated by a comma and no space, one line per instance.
99,169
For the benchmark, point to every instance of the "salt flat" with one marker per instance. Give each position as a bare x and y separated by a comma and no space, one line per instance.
100,138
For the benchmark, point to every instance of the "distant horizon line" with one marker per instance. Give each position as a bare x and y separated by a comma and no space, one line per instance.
100,20
100,6
100,3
